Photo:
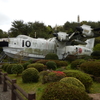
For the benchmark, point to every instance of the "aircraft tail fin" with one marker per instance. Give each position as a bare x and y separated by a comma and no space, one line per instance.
90,43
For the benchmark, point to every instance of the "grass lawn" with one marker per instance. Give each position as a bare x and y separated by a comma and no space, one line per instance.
39,87
95,88
30,87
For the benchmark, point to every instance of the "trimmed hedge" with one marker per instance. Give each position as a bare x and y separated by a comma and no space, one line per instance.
73,81
52,56
38,66
51,65
83,77
63,91
51,76
17,69
30,75
91,67
76,63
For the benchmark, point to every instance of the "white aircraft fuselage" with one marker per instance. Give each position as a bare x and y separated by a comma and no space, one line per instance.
38,48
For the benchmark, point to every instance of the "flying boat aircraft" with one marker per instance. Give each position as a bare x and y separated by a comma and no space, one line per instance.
62,44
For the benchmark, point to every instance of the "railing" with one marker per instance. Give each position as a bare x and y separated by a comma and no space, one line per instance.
16,91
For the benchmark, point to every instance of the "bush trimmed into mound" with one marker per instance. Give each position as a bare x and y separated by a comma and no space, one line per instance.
61,63
42,61
91,67
52,56
63,91
83,77
30,75
4,66
51,76
26,64
44,76
51,65
8,69
73,81
38,66
76,63
95,54
55,76
17,69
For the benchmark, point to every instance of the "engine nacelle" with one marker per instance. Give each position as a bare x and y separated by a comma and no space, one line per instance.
61,36
87,31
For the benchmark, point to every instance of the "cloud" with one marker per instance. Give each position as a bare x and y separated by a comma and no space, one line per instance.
4,19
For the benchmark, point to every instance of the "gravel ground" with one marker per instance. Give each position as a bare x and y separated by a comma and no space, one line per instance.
5,95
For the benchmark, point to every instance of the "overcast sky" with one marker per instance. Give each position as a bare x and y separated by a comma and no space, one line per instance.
50,12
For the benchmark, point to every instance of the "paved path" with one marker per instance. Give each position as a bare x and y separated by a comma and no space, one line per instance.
5,95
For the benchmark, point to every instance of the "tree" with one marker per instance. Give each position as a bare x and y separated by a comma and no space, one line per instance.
17,69
97,47
18,27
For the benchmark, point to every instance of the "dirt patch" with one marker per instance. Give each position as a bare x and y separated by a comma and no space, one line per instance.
95,96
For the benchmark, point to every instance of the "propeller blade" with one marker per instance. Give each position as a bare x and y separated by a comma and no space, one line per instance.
96,29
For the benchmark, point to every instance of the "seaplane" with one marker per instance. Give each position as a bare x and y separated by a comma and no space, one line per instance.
62,44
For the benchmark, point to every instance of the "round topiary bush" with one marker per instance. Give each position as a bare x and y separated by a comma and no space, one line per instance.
63,91
91,67
38,66
26,64
73,81
51,76
44,76
30,75
17,69
4,66
8,69
76,63
83,77
52,56
51,65
55,76
95,54
61,63
43,61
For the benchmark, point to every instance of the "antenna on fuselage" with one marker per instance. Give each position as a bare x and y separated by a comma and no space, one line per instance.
35,35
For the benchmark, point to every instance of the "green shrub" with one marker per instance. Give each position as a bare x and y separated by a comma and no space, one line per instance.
26,64
38,66
91,67
52,56
61,63
51,65
8,69
31,60
73,81
97,47
83,77
95,54
44,76
55,76
63,91
17,69
61,69
42,61
4,66
30,75
76,63
51,76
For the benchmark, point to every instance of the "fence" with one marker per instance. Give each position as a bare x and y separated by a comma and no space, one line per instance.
16,91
